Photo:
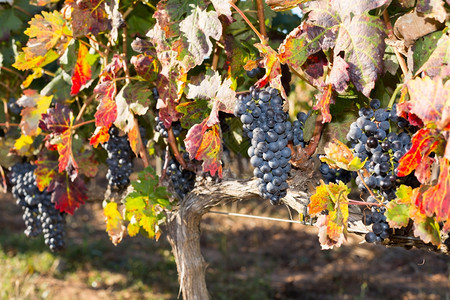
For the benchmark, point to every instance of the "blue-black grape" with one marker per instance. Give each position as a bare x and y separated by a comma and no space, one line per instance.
183,180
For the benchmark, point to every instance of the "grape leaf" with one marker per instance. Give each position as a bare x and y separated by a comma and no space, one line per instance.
198,27
422,50
10,22
423,142
236,56
144,207
87,163
105,91
23,144
125,118
49,37
438,63
432,9
193,112
89,16
423,170
82,72
138,97
67,194
332,199
145,66
339,76
34,106
59,121
403,208
135,142
272,65
114,223
351,7
429,100
204,143
435,200
47,168
338,155
221,95
359,39
282,5
325,98
48,31
222,7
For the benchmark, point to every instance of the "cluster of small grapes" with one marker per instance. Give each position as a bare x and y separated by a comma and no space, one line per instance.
297,130
120,160
257,72
330,175
13,107
161,128
380,228
183,180
39,213
267,125
373,138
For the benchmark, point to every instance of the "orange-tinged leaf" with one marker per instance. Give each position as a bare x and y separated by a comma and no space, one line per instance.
331,199
325,98
135,142
34,106
423,170
46,32
107,109
100,136
204,143
47,165
338,155
67,194
436,199
423,142
83,70
37,73
272,65
429,100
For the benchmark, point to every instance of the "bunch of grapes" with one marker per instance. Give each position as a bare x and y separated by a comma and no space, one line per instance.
13,107
161,128
383,145
267,125
380,228
120,160
331,175
296,136
39,213
183,180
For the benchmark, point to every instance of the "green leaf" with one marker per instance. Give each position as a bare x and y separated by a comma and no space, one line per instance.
10,22
397,214
193,112
423,48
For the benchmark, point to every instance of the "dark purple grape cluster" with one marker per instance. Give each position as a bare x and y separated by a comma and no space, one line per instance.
39,213
183,180
161,128
296,135
119,161
257,72
380,228
13,107
268,127
331,175
381,137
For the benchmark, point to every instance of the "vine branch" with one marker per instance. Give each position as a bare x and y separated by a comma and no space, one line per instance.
261,38
174,147
261,18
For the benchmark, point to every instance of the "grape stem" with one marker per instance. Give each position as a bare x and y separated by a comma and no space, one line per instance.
174,147
81,124
3,180
13,72
394,95
261,38
362,180
166,164
142,151
9,124
83,108
363,203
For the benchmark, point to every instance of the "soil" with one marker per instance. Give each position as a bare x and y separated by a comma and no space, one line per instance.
247,259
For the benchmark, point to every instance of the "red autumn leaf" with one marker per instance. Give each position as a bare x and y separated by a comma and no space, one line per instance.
100,136
46,170
88,16
436,199
423,142
169,95
204,143
339,75
423,170
135,142
58,121
325,98
83,70
67,194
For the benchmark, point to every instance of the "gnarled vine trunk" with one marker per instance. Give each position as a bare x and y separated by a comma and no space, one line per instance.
183,228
